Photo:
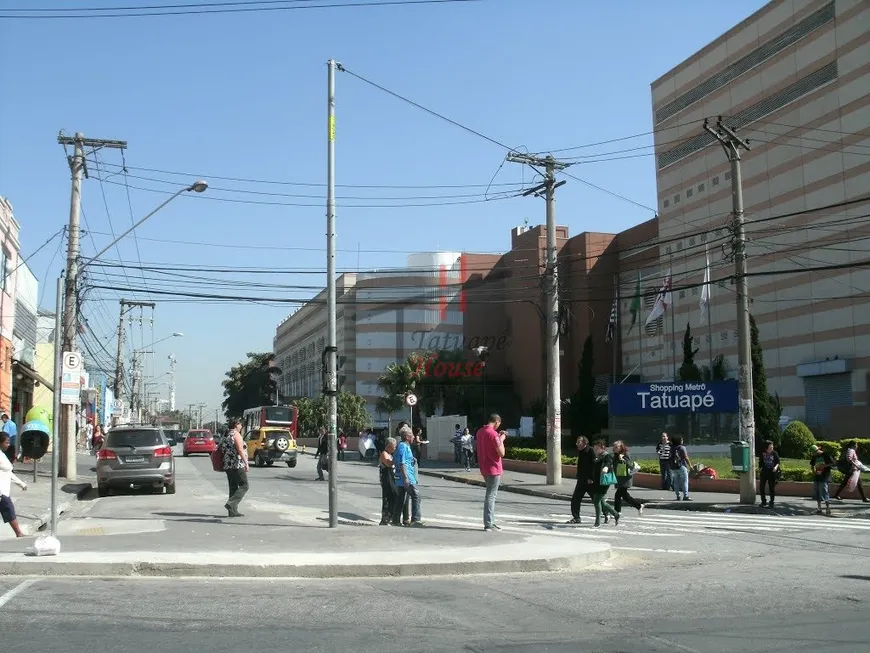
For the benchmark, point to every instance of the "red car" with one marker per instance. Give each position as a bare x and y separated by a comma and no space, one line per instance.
199,441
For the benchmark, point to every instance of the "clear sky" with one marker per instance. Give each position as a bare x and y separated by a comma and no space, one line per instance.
243,96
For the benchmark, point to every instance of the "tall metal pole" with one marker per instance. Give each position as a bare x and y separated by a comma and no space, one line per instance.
172,363
640,327
732,145
67,413
554,386
673,319
331,337
554,390
119,358
56,405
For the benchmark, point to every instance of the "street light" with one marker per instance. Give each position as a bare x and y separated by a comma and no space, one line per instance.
67,327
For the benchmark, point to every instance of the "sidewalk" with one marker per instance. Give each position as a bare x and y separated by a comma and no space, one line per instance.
535,485
34,505
185,538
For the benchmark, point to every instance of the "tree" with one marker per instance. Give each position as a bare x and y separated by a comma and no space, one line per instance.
312,416
250,384
352,413
766,413
717,370
586,412
689,370
796,441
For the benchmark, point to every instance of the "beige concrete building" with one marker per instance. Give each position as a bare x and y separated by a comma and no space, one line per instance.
795,79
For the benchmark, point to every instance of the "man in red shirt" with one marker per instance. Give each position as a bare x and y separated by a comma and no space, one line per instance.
490,451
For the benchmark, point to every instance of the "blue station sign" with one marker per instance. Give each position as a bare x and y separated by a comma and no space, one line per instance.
670,398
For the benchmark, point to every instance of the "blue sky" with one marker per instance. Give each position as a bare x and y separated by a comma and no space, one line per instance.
244,96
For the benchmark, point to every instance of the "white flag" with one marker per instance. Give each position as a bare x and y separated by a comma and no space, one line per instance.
663,300
705,289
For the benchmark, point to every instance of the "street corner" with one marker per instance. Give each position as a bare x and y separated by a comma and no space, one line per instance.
481,554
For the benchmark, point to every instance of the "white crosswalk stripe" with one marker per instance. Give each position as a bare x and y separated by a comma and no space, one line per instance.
662,524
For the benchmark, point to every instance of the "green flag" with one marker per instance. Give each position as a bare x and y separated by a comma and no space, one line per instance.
635,304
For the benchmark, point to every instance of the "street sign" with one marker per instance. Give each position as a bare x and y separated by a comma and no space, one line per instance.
410,399
71,381
118,406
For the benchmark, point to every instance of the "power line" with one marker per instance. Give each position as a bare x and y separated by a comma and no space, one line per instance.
218,8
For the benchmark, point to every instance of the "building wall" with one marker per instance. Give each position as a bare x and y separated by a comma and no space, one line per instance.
795,77
9,255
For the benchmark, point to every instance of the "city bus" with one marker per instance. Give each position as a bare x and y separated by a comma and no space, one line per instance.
283,417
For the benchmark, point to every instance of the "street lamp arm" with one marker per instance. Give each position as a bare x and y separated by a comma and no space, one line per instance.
198,187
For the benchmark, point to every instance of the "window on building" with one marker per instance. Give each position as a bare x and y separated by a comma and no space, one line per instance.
703,238
689,192
680,246
727,176
666,203
682,294
723,336
4,267
691,241
700,188
695,290
676,199
715,181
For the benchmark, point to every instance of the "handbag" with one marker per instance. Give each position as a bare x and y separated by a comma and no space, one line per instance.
621,470
607,479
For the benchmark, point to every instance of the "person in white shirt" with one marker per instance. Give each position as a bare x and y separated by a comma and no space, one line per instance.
7,478
467,442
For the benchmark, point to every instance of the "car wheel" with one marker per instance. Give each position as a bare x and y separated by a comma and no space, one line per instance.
170,488
291,463
258,460
186,454
282,444
102,491
269,463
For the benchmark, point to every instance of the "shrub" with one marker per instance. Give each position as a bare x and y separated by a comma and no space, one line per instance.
832,448
523,453
796,441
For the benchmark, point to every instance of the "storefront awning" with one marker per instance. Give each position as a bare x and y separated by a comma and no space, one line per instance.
24,369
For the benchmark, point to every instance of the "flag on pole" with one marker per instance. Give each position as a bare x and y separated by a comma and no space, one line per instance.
663,300
705,288
611,323
635,304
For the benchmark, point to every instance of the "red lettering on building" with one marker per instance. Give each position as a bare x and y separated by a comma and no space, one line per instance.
433,368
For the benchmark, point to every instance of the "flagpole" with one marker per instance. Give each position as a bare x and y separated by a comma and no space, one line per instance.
673,323
617,325
640,327
709,298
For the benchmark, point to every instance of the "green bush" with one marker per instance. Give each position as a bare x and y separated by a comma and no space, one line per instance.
523,453
832,448
796,441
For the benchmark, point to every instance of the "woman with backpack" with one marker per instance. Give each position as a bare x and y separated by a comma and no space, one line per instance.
769,471
624,468
680,464
603,477
850,467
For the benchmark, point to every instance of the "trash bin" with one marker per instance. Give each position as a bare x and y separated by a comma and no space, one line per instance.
740,454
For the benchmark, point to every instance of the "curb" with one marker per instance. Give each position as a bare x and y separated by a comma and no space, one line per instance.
689,506
48,567
43,518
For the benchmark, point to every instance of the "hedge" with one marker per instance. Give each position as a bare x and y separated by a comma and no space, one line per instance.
835,448
790,472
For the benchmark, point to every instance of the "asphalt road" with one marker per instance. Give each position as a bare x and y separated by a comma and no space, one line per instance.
793,601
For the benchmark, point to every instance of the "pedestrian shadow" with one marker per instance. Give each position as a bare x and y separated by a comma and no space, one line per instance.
855,577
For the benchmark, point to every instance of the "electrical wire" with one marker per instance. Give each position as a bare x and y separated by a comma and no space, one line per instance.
164,10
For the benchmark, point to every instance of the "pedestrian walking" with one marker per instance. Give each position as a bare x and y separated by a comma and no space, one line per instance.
679,464
490,451
603,477
342,445
235,463
467,448
10,428
624,468
821,463
457,444
417,445
585,471
322,454
851,468
89,435
406,479
7,478
98,438
663,450
769,471
389,491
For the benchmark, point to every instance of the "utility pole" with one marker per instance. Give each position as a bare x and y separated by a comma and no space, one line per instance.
79,170
554,386
172,363
126,307
190,408
732,145
330,354
200,406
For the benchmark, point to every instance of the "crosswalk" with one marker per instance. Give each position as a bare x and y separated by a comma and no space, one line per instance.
661,524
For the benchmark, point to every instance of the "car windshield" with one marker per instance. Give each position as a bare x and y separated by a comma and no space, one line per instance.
133,438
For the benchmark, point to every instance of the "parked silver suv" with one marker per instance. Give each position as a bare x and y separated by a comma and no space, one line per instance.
136,456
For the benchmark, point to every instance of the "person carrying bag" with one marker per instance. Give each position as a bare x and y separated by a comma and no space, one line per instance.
604,476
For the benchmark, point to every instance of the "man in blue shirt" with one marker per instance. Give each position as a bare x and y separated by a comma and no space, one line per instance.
406,479
11,429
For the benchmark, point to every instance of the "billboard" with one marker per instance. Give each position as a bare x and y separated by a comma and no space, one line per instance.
673,398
